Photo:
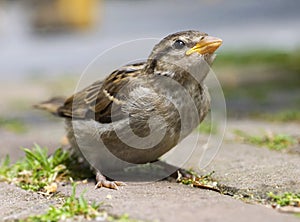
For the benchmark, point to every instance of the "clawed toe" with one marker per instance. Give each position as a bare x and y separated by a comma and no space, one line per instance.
103,182
109,184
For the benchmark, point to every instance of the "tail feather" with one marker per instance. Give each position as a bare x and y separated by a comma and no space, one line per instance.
51,105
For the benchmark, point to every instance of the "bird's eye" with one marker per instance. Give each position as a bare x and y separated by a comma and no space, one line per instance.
178,44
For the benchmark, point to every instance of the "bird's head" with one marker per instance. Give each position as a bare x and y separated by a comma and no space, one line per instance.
192,51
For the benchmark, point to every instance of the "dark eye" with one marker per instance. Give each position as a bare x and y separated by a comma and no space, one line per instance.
178,44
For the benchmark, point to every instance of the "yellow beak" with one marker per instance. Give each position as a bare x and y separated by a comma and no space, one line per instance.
207,45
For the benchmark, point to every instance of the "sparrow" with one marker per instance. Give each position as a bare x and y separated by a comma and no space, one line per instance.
141,110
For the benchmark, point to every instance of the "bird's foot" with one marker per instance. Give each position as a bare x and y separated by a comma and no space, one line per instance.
109,184
103,182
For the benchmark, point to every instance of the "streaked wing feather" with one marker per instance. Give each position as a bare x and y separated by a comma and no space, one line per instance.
96,100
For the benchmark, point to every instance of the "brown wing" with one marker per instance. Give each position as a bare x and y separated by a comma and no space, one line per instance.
96,100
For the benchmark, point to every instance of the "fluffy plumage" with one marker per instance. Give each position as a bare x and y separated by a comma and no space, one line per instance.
141,111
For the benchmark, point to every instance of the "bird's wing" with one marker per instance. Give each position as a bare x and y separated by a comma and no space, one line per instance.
96,100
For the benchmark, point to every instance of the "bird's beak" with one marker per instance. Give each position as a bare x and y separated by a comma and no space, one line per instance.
207,45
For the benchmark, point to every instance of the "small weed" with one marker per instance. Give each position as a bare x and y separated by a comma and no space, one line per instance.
72,207
13,125
195,180
270,140
286,199
37,170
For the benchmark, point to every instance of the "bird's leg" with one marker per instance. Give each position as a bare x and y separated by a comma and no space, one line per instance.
64,142
103,182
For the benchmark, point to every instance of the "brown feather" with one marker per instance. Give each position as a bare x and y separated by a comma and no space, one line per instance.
51,105
96,100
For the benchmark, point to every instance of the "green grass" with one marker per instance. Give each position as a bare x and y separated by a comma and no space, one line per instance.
37,170
282,116
72,207
13,125
259,93
287,60
255,76
77,209
207,128
285,199
271,141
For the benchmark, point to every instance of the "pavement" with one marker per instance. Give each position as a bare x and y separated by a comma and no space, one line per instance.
244,168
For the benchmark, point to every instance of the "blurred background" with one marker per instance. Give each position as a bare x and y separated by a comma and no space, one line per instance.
46,45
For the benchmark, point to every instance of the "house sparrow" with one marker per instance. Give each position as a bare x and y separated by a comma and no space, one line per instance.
142,110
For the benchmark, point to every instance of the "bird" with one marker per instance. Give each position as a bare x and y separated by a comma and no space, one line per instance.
141,110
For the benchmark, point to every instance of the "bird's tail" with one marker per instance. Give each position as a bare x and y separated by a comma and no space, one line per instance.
51,105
